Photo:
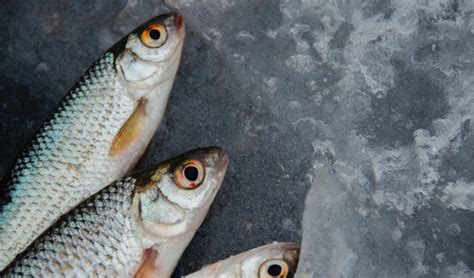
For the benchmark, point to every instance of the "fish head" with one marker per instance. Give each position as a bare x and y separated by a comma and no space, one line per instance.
150,55
170,203
268,261
173,199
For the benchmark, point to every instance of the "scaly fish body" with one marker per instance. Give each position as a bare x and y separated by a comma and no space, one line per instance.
139,225
96,135
278,260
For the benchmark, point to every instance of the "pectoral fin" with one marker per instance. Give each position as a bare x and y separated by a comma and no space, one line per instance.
148,268
130,130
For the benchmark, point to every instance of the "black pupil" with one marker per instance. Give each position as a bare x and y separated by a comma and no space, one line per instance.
155,34
191,173
274,270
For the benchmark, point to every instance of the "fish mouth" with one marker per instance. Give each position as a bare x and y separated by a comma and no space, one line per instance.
178,21
290,246
223,161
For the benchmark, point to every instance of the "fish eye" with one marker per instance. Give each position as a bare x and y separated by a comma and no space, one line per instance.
273,268
190,175
154,36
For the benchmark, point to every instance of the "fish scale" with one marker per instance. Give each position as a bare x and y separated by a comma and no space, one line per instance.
122,230
67,146
81,242
95,136
43,162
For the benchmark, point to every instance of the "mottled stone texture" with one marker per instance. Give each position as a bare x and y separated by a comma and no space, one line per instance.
368,104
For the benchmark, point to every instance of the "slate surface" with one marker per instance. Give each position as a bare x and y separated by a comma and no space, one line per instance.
367,104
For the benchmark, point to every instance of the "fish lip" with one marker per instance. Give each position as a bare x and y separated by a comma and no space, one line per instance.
178,21
223,161
290,246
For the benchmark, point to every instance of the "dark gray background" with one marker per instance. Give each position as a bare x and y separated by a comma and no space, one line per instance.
366,103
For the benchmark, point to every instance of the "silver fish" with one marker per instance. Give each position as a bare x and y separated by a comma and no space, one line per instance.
139,225
277,260
98,133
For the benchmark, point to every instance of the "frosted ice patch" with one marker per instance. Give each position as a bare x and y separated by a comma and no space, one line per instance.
459,195
301,63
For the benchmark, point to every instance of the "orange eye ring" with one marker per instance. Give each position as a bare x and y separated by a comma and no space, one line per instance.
190,175
154,36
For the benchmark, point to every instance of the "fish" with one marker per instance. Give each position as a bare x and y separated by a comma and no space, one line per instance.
95,136
137,226
276,260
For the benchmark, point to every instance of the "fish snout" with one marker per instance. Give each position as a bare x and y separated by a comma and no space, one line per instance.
223,161
178,21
